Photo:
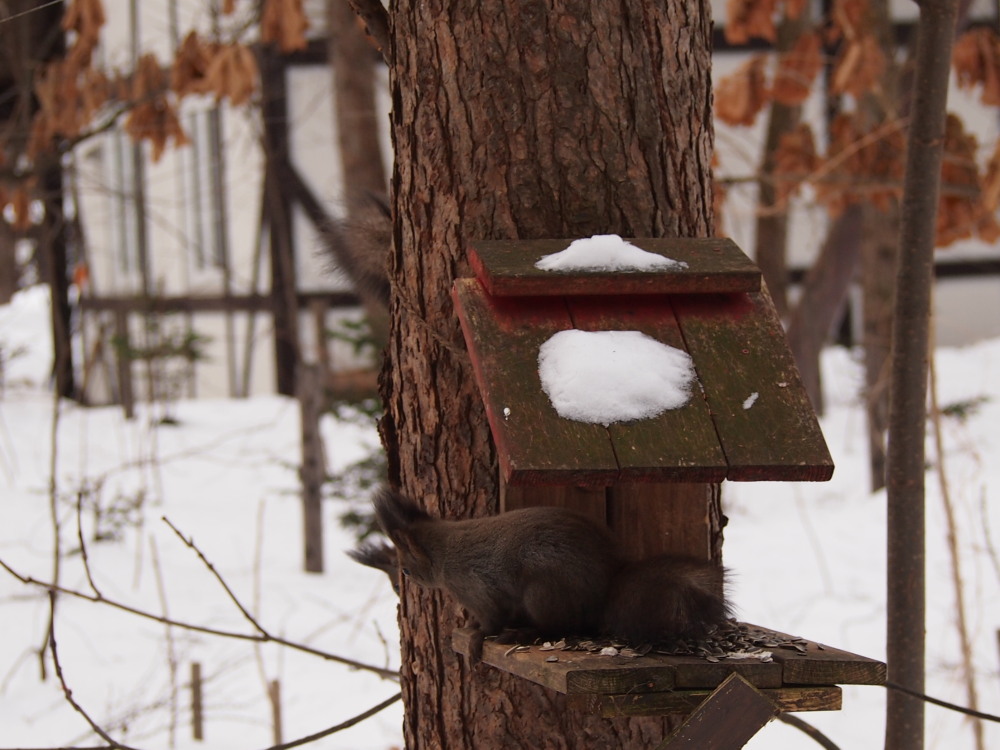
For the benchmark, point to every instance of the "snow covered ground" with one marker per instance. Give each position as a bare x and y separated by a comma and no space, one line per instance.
808,559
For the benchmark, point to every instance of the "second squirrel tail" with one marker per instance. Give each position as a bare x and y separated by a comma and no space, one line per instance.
665,598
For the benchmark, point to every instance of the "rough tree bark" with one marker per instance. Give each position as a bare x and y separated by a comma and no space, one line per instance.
518,119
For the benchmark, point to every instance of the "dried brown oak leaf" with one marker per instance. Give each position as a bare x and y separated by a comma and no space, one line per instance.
189,73
742,94
848,19
283,22
861,165
85,18
153,117
797,70
233,74
963,210
976,59
746,19
991,182
795,159
859,67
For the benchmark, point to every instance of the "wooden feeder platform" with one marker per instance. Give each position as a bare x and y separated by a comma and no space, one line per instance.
802,675
751,421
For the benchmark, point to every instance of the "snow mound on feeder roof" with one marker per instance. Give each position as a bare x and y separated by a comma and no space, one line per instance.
606,252
602,377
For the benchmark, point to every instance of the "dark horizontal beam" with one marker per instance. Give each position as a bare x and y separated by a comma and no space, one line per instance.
947,269
215,303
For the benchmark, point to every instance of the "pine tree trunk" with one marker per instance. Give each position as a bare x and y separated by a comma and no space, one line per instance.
518,119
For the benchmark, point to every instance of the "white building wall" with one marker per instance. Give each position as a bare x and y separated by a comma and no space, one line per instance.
182,257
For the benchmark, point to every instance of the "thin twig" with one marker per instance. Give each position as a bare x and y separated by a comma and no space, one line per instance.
54,516
339,727
112,743
172,666
83,543
804,726
951,535
943,704
260,637
189,542
67,693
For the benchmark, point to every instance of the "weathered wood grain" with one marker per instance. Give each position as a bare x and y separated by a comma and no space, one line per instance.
739,349
726,719
535,445
677,445
507,267
575,672
821,698
660,518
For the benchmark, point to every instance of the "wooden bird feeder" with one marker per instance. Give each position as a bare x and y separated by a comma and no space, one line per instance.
650,479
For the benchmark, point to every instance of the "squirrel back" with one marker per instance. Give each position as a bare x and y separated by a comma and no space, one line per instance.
552,571
545,569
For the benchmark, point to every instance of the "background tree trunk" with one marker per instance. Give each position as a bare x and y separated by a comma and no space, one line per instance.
823,298
521,119
363,233
906,584
772,222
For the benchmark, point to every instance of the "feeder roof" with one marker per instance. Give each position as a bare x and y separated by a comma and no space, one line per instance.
748,417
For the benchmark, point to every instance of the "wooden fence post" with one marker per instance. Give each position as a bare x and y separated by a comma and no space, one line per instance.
197,709
312,472
274,696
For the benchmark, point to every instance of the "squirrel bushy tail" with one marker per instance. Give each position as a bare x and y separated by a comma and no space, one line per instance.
664,598
549,569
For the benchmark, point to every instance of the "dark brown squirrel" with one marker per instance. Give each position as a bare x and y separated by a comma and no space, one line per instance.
380,556
359,247
549,571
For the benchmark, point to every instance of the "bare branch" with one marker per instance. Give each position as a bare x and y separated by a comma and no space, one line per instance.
53,649
339,727
260,637
808,729
83,543
189,542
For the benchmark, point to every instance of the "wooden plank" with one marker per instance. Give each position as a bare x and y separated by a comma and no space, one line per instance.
535,445
579,671
583,672
574,672
693,672
820,698
591,502
825,665
679,445
507,268
765,422
727,719
661,518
